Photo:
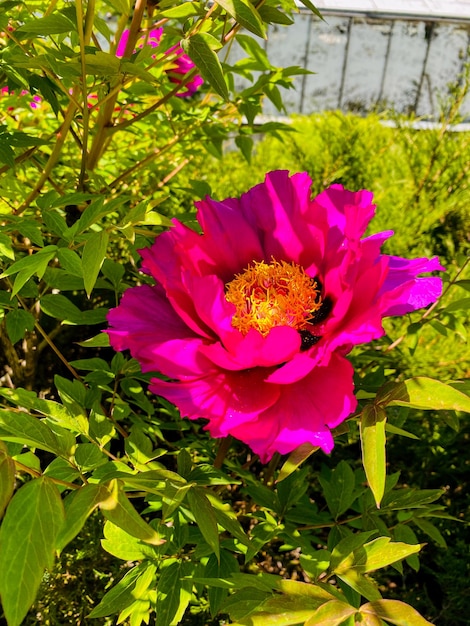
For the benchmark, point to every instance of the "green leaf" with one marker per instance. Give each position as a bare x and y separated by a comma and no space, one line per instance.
7,155
245,14
199,48
425,393
339,489
332,613
121,595
312,8
118,510
244,602
94,254
27,541
168,593
373,420
7,477
428,527
346,547
223,569
17,323
382,552
54,24
123,546
31,431
57,412
394,612
98,341
78,507
205,518
28,266
296,458
6,248
182,11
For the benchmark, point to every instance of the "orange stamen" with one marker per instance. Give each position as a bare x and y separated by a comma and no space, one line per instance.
273,294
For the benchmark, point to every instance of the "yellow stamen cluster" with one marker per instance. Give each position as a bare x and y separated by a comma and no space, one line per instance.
272,294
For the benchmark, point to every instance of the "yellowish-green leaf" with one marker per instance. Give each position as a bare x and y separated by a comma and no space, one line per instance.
426,393
245,14
332,613
94,254
118,510
7,477
27,541
295,459
78,506
373,420
395,612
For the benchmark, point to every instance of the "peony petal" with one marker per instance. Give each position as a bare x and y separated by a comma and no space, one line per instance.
304,412
146,324
254,350
226,399
404,291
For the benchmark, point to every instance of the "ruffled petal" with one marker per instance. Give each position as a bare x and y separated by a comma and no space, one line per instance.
226,399
304,412
404,291
148,326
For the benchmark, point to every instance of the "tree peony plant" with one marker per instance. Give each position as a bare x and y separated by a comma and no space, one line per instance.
181,63
251,320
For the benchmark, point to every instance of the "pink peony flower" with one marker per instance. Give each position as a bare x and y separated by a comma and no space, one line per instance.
182,64
251,320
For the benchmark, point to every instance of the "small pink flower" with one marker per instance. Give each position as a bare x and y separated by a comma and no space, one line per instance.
34,103
182,64
251,320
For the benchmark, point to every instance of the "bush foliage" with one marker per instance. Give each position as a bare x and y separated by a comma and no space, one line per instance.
192,530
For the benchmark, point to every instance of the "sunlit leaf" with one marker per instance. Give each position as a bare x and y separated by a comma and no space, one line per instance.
27,541
373,421
395,612
245,14
199,48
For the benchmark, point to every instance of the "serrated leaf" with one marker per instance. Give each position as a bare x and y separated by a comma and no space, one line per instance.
118,510
332,613
17,322
373,420
245,14
205,518
94,254
199,48
27,541
395,612
425,393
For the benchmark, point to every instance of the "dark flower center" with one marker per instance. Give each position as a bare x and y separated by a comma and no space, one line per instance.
266,295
